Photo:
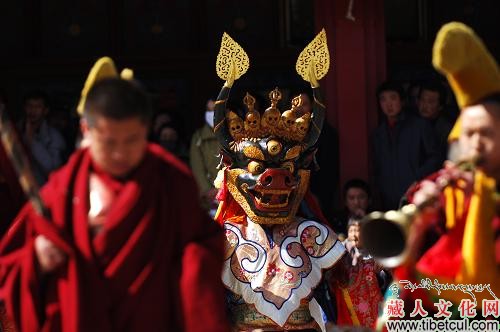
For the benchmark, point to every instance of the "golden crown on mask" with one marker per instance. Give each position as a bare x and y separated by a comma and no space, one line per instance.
287,125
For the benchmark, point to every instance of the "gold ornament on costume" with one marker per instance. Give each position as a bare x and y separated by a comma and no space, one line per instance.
302,126
236,127
314,61
287,120
275,97
102,69
253,152
274,147
232,60
293,152
252,118
296,103
249,100
255,167
295,127
272,115
272,123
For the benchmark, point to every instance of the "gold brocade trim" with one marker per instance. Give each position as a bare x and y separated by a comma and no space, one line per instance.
245,317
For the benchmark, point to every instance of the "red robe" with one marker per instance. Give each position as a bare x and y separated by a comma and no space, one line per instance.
155,266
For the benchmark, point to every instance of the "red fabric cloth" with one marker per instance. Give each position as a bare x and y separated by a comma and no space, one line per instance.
154,267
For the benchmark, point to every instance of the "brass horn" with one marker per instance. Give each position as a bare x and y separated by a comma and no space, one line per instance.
384,235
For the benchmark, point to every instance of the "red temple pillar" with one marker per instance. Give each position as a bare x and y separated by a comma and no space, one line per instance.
357,51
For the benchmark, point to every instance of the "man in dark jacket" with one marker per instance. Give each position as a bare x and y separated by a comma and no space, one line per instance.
431,104
405,147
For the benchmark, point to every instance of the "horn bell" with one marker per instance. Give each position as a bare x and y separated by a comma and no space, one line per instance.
385,235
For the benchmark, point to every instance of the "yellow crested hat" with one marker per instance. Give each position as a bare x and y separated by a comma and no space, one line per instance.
103,68
461,56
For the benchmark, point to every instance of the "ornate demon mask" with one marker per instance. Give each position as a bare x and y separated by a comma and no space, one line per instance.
267,155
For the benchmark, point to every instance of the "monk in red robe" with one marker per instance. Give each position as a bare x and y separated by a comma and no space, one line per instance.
125,246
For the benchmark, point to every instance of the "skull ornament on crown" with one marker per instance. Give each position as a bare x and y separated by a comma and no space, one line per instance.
267,156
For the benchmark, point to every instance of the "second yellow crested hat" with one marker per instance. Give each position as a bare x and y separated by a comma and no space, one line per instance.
103,68
470,69
461,56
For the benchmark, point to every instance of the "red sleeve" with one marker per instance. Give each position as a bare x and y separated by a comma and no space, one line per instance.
201,288
18,278
202,291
